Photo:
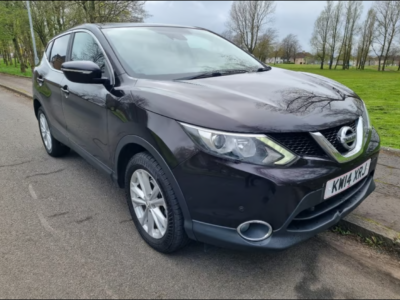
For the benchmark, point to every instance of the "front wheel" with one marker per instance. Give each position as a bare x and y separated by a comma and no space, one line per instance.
153,205
53,147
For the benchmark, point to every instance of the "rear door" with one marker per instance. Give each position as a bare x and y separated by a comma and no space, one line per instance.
85,104
48,81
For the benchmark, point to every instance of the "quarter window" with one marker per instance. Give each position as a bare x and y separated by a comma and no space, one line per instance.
59,51
85,48
48,50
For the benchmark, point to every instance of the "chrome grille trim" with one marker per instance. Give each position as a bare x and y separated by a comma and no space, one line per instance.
334,153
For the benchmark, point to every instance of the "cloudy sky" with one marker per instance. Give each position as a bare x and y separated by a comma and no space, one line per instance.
295,17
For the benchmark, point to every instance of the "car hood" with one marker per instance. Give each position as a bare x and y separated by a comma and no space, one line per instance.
273,101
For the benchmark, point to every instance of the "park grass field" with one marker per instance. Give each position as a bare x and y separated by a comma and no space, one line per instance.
14,70
379,90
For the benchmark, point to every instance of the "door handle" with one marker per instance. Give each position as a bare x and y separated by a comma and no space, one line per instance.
40,80
65,91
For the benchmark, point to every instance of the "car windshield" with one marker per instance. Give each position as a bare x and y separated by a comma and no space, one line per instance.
174,53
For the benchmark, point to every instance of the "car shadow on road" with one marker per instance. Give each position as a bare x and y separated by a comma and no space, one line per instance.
273,266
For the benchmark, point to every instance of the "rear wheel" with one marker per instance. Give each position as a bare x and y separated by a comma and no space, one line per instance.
53,147
153,205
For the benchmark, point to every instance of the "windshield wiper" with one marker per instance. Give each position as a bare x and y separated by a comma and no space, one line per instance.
215,73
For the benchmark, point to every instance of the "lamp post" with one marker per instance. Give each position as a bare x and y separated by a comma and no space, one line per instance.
33,36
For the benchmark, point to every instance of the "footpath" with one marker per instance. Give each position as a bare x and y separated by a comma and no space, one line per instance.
378,216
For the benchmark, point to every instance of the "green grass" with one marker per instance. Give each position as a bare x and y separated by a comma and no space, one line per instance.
379,90
11,69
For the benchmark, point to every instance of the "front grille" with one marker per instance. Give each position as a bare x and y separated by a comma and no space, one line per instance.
331,135
300,143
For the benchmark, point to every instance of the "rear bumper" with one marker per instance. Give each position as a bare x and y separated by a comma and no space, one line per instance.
301,225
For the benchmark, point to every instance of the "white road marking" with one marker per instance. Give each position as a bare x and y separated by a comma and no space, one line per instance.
42,219
32,192
47,226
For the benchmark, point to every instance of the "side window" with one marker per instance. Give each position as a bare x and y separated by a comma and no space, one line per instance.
86,48
59,51
48,50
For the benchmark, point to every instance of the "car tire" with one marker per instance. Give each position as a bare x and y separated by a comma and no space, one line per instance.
53,147
174,236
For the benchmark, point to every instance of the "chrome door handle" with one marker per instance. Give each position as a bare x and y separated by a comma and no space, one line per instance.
40,81
65,91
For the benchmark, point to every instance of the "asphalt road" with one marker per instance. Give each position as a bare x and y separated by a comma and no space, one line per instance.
65,232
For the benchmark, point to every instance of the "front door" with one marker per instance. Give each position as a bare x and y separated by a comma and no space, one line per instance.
85,104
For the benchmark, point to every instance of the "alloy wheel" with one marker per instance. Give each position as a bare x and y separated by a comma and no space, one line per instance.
45,131
149,204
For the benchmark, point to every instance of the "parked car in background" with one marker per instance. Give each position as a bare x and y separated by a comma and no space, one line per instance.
209,143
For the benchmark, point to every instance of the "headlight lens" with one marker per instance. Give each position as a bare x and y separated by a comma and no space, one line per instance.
252,148
366,121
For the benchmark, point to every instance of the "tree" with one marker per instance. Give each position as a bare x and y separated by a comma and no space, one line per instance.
398,57
112,11
277,51
353,13
393,54
322,27
53,17
387,19
334,31
265,44
290,46
232,37
13,21
367,37
248,19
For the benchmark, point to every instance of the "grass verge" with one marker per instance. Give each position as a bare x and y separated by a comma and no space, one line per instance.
12,70
370,241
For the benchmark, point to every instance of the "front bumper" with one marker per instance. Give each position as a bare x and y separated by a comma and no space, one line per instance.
221,195
295,230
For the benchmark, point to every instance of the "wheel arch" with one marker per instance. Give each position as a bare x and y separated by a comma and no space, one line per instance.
131,145
36,106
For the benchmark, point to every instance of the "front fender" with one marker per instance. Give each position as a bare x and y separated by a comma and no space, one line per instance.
136,140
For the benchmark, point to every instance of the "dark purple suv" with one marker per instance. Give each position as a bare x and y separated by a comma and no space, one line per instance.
209,143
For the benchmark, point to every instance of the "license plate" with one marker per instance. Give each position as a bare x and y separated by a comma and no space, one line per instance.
343,182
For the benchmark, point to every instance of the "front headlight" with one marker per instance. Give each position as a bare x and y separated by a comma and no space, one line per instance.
365,115
366,121
252,148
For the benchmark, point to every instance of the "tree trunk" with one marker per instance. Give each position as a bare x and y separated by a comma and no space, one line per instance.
399,66
5,57
18,51
337,60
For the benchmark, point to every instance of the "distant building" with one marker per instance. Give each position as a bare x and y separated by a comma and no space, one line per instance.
302,58
273,60
374,61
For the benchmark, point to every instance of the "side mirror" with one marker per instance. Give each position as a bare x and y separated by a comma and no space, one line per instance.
82,72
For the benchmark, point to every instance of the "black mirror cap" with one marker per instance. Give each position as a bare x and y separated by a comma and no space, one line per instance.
81,71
